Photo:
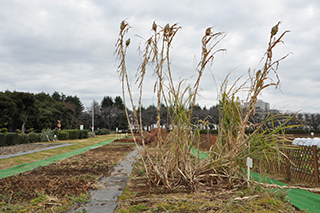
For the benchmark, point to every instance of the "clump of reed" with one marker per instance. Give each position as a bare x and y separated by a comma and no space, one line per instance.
170,163
233,144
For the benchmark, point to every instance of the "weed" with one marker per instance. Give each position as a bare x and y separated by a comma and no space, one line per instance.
138,208
4,196
126,194
82,198
166,206
20,193
135,193
280,194
72,179
141,171
87,177
41,197
9,208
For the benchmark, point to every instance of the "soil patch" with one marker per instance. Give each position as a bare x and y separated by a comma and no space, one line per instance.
8,150
59,185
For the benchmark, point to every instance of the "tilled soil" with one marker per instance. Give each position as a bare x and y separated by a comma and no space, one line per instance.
8,150
70,177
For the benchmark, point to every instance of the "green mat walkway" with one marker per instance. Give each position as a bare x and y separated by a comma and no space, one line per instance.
29,166
301,199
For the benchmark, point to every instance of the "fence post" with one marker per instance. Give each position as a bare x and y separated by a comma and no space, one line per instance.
315,164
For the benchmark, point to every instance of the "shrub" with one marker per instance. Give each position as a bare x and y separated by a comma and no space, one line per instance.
18,131
97,132
63,135
83,134
55,131
105,131
102,131
301,131
73,134
33,137
12,138
4,130
2,139
31,130
91,135
211,131
43,137
23,138
46,135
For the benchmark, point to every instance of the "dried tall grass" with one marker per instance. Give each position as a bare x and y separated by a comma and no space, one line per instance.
171,164
233,144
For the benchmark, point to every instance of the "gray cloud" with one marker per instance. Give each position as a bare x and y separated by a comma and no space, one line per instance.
68,46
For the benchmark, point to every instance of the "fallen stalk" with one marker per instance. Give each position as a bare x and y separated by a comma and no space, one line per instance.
275,186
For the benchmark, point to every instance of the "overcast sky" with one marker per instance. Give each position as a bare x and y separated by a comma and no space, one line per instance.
68,45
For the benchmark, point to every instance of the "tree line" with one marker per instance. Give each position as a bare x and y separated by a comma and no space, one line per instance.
35,112
109,114
28,111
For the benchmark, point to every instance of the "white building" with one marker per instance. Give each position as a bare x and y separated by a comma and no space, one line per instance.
261,105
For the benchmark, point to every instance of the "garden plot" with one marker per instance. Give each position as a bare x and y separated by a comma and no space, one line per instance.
60,185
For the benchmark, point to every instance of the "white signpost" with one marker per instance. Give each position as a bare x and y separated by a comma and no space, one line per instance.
249,165
117,132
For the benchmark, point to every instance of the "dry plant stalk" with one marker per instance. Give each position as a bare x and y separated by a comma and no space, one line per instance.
234,145
276,186
172,165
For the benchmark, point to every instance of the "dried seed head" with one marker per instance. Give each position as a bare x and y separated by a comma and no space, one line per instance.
154,26
122,25
258,75
274,29
208,31
128,42
166,28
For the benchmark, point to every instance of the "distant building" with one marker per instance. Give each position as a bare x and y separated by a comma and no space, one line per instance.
260,105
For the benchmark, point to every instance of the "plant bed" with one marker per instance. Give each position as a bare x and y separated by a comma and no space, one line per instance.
126,140
209,196
58,186
8,150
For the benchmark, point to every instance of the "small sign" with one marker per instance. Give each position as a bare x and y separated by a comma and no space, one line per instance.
249,165
249,162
